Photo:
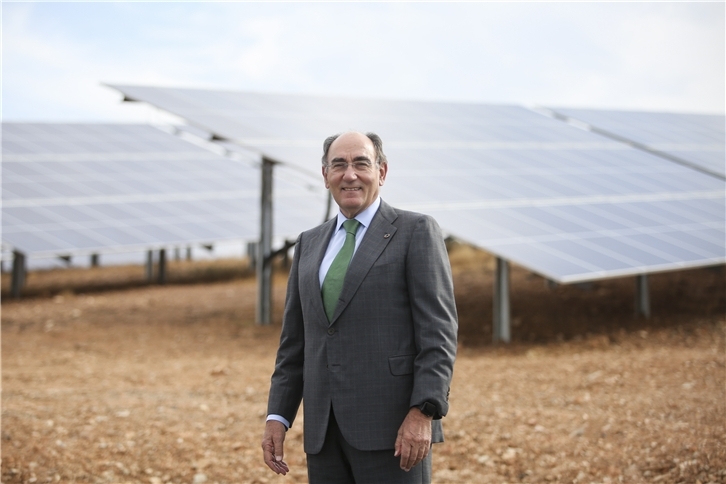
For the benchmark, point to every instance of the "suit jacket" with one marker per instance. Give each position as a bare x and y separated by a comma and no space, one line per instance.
391,342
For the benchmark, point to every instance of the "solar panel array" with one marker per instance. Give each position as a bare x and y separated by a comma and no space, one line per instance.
564,202
90,188
699,139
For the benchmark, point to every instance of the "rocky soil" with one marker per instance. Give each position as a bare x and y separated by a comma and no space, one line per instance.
168,384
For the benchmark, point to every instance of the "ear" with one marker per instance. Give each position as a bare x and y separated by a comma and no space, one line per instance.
383,170
325,178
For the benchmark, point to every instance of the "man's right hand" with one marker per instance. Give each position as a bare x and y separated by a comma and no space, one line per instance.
272,443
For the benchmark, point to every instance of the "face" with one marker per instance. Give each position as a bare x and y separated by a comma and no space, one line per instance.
353,188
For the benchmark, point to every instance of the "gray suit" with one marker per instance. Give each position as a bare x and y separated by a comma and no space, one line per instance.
390,345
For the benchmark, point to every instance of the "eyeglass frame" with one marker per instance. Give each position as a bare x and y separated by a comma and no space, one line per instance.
359,166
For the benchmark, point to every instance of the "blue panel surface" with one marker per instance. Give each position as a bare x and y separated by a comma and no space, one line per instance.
563,201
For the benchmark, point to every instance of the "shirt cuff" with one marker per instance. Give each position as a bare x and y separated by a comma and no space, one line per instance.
280,419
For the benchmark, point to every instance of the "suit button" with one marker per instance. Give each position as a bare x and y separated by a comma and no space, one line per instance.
331,331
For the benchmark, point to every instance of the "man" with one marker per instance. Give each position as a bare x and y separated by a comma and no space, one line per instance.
372,360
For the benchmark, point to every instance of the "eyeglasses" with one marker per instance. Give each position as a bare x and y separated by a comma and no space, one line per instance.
361,166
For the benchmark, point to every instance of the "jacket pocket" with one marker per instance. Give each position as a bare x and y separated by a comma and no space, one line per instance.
401,365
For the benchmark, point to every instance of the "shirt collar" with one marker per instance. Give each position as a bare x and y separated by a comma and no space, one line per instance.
364,217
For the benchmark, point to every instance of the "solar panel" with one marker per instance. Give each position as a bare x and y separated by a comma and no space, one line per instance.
564,202
89,188
698,139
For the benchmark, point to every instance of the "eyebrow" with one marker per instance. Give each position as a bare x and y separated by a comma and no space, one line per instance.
357,158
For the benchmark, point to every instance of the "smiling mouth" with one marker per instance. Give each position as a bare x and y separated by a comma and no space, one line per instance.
351,189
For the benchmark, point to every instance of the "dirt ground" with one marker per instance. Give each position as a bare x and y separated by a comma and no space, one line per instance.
109,380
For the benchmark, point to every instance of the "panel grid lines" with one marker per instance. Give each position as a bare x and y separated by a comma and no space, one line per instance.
92,188
520,184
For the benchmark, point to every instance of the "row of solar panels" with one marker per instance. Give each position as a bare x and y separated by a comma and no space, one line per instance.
604,194
90,188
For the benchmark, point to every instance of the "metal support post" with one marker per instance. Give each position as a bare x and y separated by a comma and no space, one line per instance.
177,254
189,253
252,254
264,248
149,265
18,273
501,317
642,296
94,260
161,276
286,254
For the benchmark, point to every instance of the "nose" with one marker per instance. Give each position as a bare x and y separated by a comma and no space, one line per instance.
350,173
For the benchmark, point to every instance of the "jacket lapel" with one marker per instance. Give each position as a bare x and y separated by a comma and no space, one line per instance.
376,238
317,245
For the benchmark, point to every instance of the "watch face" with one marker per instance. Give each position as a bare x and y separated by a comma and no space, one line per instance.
428,409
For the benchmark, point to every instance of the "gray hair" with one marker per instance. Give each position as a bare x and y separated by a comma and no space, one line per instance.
375,139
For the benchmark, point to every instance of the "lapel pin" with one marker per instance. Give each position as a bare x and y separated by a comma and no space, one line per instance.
385,236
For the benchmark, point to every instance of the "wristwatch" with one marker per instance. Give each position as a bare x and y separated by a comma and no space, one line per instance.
428,409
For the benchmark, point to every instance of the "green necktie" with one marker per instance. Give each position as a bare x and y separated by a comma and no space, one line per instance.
333,282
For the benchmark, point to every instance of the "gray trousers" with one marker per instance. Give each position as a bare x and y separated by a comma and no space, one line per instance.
339,463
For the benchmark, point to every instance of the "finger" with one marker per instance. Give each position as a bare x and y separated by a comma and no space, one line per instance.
278,447
268,454
416,454
407,457
421,455
278,452
397,446
281,467
278,466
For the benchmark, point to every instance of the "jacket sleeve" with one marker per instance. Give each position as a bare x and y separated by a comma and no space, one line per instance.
286,387
433,311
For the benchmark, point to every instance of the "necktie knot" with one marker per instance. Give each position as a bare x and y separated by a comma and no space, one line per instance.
351,226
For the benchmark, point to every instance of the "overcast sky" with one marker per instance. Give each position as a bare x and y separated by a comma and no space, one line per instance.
637,56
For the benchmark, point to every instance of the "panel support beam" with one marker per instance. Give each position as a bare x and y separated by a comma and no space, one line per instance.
252,254
19,268
161,276
642,296
501,317
264,248
149,265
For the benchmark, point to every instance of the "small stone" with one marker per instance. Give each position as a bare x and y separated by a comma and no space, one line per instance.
509,455
199,478
482,459
219,371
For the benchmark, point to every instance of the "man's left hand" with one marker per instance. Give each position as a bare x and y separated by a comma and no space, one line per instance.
414,439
